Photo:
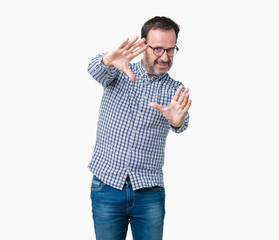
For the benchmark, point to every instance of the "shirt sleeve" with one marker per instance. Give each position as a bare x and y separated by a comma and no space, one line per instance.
103,74
183,127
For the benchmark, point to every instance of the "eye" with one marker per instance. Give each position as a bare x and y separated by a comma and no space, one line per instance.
170,50
158,49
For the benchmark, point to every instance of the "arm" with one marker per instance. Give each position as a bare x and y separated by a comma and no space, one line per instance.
100,72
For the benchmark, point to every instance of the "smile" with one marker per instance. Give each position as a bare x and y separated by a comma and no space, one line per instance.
162,64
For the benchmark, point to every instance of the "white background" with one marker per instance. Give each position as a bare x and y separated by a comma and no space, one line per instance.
221,174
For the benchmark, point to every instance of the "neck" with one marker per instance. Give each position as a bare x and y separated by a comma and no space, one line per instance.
150,75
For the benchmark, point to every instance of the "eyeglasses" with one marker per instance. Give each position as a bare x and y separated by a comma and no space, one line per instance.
159,51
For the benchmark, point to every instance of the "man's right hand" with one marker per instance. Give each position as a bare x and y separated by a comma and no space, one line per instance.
122,55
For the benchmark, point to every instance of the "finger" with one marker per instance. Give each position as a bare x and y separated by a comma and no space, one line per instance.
131,42
156,106
123,43
185,100
185,110
137,44
181,99
177,94
130,74
140,50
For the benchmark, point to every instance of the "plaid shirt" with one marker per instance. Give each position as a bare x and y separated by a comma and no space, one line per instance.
131,135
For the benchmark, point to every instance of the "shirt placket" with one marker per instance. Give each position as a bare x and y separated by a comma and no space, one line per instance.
138,110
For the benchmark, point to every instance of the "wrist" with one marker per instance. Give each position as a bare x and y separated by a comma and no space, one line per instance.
176,125
106,61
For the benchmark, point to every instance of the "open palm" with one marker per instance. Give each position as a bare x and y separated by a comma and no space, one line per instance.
177,109
122,55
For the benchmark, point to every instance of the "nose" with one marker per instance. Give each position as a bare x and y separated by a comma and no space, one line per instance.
165,57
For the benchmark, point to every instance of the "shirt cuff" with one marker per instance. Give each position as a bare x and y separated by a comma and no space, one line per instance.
101,64
183,127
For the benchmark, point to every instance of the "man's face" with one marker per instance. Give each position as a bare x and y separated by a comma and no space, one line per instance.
159,38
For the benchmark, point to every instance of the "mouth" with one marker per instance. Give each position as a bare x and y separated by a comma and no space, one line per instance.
162,64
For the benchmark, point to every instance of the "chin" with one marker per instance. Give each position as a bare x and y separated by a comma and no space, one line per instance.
163,72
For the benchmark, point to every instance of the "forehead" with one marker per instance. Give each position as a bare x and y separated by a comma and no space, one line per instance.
161,38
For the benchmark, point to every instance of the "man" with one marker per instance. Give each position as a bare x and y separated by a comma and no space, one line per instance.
140,104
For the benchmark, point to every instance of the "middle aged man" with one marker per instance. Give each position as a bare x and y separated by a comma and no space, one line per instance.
140,104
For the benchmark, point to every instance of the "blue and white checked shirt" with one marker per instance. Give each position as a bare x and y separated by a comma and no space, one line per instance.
131,135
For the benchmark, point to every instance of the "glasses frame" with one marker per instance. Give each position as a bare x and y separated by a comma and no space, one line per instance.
168,49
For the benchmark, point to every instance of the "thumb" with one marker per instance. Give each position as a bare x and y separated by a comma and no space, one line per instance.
156,106
130,74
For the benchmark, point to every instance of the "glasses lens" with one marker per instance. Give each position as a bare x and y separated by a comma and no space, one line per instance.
172,52
158,51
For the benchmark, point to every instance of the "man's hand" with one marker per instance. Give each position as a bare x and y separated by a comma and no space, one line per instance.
121,56
177,109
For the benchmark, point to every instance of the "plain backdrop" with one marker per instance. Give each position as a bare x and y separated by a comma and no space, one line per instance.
221,175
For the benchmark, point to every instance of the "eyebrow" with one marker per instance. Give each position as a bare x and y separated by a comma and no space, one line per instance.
162,47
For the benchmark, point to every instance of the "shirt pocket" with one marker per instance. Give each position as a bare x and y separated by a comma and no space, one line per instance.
165,96
155,118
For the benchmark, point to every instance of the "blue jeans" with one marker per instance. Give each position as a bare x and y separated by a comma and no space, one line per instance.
113,209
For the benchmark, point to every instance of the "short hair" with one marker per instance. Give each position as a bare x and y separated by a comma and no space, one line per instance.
163,23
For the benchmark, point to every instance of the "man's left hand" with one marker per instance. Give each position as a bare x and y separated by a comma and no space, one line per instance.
177,109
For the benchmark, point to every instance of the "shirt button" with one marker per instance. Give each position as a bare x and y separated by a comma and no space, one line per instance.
131,149
144,97
140,113
97,65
